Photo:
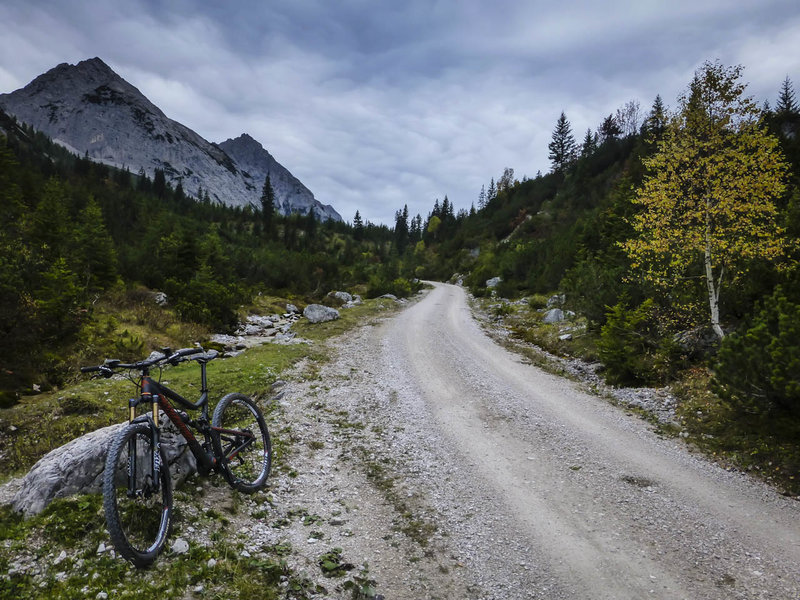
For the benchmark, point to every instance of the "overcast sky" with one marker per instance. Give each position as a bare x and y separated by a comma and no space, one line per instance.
376,104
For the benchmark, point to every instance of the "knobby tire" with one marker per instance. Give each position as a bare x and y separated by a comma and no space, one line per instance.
246,469
138,522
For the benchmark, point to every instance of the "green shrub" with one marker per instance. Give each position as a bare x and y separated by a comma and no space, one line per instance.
628,343
400,287
758,368
205,300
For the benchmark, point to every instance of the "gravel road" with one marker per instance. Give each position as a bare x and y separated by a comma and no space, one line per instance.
462,472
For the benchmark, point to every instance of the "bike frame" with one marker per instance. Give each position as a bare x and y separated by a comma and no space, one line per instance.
159,396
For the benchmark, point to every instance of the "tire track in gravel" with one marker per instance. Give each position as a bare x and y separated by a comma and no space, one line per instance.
534,488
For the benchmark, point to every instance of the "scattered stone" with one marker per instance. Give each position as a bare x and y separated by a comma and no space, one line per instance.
60,558
160,298
493,282
565,337
292,309
180,546
554,315
556,301
343,296
212,562
389,297
101,596
317,313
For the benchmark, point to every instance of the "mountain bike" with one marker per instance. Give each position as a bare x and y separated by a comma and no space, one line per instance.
137,487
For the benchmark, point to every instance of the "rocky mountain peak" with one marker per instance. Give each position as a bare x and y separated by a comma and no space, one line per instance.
91,110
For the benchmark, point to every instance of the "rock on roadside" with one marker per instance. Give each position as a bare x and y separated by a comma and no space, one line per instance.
77,468
317,313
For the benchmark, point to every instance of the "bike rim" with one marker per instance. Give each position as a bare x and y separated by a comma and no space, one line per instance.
244,446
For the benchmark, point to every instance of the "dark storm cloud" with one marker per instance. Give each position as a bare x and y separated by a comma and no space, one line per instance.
378,104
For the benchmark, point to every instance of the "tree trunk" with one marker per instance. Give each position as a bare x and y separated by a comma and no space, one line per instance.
713,293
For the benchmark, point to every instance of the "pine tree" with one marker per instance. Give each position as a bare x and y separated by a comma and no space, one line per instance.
311,226
95,256
609,129
589,145
482,198
358,227
179,193
401,229
447,210
268,207
562,146
656,121
492,193
160,183
787,105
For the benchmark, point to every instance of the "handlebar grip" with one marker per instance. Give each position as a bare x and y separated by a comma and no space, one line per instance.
89,369
188,351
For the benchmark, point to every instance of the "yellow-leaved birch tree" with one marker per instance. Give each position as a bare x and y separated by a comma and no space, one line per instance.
707,200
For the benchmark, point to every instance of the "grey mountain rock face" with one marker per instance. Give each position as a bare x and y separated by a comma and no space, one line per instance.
290,194
92,111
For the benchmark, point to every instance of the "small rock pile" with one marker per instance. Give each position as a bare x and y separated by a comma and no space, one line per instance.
260,329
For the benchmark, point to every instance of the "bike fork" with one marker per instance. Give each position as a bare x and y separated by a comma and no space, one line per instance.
155,445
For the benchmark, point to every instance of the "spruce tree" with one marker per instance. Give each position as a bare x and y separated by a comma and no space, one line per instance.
267,207
401,229
358,227
787,105
589,145
562,146
609,129
656,121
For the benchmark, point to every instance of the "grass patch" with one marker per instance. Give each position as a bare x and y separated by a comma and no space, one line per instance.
348,319
766,445
64,541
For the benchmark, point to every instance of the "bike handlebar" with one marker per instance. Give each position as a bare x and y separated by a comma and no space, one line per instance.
109,365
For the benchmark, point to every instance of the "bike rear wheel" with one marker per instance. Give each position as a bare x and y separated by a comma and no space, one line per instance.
138,512
242,443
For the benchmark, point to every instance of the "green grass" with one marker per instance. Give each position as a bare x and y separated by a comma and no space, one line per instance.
76,527
89,405
348,318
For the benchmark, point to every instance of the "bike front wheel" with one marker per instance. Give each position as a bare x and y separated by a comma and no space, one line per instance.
241,442
138,509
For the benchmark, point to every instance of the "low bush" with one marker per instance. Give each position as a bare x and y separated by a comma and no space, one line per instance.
758,368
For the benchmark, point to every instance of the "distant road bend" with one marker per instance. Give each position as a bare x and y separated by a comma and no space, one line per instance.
590,500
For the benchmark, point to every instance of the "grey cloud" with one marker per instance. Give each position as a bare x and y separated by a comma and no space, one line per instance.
376,105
